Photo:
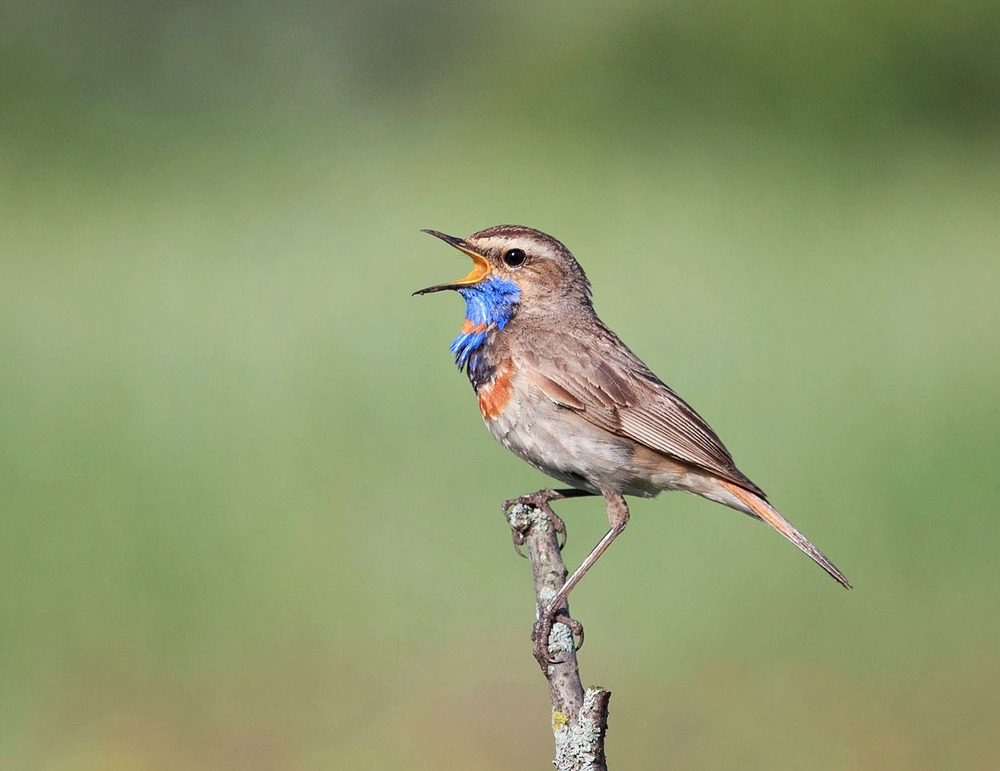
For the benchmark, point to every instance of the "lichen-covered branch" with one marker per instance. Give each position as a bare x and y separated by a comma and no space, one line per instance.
579,719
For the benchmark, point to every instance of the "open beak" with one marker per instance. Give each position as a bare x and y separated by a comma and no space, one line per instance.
480,266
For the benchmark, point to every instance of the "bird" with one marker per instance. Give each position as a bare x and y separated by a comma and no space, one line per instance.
561,391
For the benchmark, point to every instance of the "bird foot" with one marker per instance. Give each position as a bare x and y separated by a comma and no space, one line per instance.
544,647
540,500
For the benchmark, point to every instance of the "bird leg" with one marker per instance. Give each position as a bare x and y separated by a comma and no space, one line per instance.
554,612
540,500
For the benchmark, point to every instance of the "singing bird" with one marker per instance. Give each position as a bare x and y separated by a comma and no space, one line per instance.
558,389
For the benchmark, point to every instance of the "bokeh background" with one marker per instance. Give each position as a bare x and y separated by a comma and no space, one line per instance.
250,516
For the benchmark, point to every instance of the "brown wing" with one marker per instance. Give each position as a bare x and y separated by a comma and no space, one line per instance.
599,378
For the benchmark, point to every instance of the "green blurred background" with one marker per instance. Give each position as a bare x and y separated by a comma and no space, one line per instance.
250,514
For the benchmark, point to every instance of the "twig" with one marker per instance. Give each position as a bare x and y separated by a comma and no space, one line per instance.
579,719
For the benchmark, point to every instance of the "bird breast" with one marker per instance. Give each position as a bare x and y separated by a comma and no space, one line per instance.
553,439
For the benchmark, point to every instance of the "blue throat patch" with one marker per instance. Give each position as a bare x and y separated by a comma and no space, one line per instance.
488,304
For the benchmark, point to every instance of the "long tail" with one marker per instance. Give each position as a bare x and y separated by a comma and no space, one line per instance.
767,512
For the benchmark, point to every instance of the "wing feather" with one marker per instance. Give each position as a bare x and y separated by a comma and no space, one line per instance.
599,378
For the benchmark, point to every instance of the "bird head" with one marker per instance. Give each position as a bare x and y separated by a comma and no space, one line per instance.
517,260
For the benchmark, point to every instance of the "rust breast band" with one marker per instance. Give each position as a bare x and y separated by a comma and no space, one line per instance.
494,395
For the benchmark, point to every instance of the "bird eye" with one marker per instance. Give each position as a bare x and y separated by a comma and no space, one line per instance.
514,257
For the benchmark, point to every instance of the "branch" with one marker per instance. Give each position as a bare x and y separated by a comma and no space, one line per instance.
579,719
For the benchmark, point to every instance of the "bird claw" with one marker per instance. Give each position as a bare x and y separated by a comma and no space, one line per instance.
540,500
519,535
542,631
